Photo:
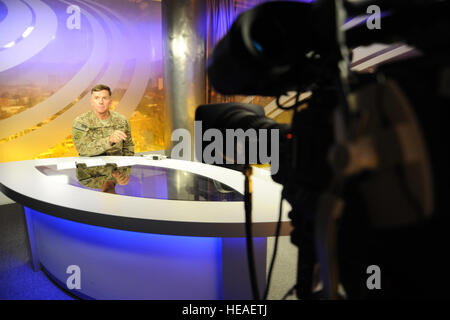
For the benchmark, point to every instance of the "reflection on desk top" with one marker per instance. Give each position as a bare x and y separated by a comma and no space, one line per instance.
145,182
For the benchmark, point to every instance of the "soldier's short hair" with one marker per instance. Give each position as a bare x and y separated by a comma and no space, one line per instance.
100,87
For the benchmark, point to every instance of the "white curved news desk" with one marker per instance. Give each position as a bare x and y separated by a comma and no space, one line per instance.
172,232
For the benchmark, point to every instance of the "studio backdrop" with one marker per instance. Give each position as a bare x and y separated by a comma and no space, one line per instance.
52,52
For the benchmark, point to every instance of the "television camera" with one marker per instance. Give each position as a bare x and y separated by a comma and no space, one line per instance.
363,165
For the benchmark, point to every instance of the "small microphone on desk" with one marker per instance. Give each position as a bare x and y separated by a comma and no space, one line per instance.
154,156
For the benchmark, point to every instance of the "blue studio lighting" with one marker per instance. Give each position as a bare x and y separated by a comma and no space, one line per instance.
188,252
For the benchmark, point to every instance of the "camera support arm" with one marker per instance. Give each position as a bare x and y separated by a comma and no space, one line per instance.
330,203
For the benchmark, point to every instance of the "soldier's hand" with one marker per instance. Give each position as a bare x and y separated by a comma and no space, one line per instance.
121,178
108,186
117,136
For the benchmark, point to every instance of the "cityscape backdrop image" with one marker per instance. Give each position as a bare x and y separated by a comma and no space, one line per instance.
52,52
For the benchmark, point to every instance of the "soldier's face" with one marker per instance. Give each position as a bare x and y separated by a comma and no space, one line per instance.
100,101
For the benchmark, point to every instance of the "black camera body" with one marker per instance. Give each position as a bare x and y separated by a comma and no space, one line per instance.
371,141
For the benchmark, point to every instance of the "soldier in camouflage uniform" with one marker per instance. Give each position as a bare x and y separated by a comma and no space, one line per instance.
103,178
101,131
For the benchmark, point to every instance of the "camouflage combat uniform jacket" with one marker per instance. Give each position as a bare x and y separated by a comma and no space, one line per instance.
91,136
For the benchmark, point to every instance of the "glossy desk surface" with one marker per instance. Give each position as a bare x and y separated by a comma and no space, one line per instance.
146,181
161,196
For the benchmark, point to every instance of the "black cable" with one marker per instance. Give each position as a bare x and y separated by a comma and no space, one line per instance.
297,103
289,292
248,231
275,249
